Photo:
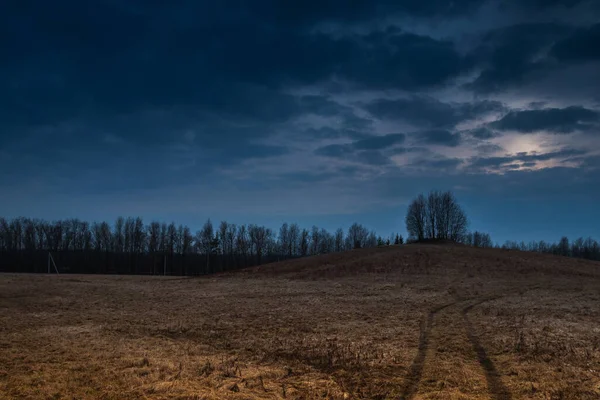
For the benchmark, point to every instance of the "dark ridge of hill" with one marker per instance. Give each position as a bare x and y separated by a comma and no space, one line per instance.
437,241
430,259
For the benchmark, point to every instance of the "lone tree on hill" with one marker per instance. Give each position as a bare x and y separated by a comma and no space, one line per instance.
437,216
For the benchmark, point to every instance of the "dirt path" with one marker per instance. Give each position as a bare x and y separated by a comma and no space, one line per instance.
497,389
451,362
415,371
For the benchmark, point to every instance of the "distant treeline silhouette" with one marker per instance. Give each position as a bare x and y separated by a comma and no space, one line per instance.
580,248
131,247
438,216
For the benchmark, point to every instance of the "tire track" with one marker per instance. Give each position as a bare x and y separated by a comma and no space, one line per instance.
495,386
415,371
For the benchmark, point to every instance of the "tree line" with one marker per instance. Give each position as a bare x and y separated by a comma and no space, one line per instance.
438,216
131,246
587,248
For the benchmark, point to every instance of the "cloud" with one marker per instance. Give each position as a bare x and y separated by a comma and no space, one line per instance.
439,163
429,112
225,59
328,132
580,46
522,159
554,120
372,157
439,137
488,148
379,142
229,102
301,14
370,143
335,150
482,132
352,154
367,151
508,56
249,151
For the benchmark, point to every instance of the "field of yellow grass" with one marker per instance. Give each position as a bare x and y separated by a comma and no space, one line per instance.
400,322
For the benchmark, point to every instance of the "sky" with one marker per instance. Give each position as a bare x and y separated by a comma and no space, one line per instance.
319,112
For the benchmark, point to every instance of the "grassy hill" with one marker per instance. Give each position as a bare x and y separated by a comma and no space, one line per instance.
419,321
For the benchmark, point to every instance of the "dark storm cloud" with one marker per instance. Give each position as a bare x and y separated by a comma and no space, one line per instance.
249,151
555,120
327,132
428,111
439,137
379,142
482,132
319,105
509,55
335,150
372,157
370,143
582,45
348,152
221,58
217,58
444,164
544,3
298,12
366,150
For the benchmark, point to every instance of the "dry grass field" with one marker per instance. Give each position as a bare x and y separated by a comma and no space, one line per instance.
416,321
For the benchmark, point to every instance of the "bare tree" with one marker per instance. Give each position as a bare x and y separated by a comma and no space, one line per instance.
106,238
29,239
119,235
314,240
153,237
206,239
563,247
40,230
284,237
259,237
139,236
221,234
293,237
371,240
163,238
416,218
304,236
481,239
339,240
437,217
171,238
326,243
179,240
187,240
242,242
230,235
129,229
357,236
4,234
